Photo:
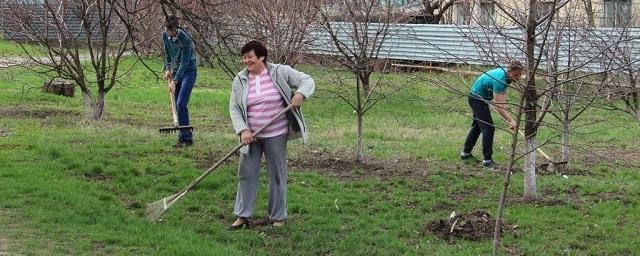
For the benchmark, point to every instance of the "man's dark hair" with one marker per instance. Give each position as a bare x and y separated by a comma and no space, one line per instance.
515,65
257,47
171,22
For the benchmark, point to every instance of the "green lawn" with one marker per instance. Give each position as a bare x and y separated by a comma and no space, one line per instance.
73,186
13,49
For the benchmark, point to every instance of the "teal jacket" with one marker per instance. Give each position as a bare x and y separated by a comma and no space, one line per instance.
179,55
492,81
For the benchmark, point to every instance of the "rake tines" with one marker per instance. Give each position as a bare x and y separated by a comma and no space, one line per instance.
557,166
174,129
544,167
156,209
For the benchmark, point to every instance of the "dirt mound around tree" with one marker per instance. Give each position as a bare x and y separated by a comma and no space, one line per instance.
476,225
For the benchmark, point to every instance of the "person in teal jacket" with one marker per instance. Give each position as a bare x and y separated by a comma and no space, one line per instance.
180,67
489,88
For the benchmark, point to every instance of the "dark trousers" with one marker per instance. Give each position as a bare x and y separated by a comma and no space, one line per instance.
183,93
482,123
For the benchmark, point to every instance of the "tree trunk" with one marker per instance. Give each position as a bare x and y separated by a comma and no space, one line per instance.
530,102
530,130
565,136
636,100
360,146
588,5
94,108
98,109
530,170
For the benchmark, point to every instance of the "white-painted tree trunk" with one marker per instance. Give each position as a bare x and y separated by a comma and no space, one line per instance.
565,138
530,193
360,134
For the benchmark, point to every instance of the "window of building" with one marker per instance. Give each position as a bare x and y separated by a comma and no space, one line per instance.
487,13
395,2
617,13
544,8
463,13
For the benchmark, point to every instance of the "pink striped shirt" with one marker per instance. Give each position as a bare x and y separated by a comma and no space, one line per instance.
263,103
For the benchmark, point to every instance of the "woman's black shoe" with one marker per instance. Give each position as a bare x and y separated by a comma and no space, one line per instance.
243,225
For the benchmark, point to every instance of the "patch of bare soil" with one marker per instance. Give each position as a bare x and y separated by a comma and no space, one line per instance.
550,169
97,176
461,195
5,242
205,160
608,155
572,197
476,225
22,112
564,170
259,222
4,132
540,202
345,168
442,206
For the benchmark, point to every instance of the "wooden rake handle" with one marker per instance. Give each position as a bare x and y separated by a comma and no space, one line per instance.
523,136
208,171
537,148
174,112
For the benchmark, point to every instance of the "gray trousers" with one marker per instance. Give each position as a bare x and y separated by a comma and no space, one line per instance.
275,151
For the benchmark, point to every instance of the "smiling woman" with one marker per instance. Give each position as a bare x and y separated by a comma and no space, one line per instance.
259,93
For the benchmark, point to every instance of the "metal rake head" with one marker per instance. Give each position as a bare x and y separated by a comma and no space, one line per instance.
544,167
557,166
174,129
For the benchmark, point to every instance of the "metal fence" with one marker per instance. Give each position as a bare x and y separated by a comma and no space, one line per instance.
574,49
35,23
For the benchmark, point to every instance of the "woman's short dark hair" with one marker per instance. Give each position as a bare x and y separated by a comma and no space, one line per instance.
257,47
171,22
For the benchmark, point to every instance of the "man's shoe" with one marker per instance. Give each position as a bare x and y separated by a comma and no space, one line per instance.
466,156
489,163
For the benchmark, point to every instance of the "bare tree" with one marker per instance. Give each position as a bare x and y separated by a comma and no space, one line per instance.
356,43
588,8
564,76
82,41
283,25
572,73
434,10
213,28
624,86
143,20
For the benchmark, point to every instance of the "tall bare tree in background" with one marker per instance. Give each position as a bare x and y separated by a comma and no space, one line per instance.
212,26
82,41
143,20
433,10
357,44
623,92
283,25
588,8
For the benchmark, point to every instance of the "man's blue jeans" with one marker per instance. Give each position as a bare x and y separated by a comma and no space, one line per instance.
183,93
